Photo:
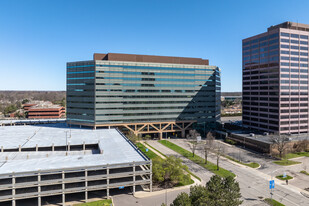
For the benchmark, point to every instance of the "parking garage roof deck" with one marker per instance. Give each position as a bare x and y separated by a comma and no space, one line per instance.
117,149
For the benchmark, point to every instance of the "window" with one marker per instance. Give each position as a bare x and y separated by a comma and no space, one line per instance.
294,41
284,52
303,37
285,40
284,46
294,35
285,34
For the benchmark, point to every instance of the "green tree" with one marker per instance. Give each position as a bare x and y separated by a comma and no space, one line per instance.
223,191
198,195
169,171
182,199
218,192
25,101
10,109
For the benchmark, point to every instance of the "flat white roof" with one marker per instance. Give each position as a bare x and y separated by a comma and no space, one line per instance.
29,121
116,148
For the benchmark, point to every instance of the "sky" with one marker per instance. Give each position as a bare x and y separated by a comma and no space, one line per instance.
38,37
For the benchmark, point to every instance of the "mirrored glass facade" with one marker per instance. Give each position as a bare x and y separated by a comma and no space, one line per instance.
102,92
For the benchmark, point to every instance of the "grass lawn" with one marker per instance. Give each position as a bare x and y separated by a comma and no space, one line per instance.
96,203
251,164
198,160
155,149
286,162
304,172
280,177
296,154
273,202
149,154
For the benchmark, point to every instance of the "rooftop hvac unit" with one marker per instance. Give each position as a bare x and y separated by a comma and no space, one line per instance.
251,134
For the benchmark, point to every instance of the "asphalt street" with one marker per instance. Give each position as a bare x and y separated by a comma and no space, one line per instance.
255,184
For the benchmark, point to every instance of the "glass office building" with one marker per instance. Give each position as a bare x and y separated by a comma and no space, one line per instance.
275,79
114,89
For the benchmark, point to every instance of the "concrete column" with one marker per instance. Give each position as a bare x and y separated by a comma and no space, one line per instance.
1,148
39,189
84,146
53,147
36,147
160,135
107,182
19,148
13,190
133,178
69,146
183,133
150,176
63,188
86,185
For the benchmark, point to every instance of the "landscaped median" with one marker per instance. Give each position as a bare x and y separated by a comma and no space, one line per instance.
273,202
304,172
96,203
251,164
280,177
296,154
286,162
198,160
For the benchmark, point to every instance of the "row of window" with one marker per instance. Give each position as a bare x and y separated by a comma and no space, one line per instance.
260,109
155,79
294,70
294,116
155,68
293,110
294,35
294,87
293,64
294,76
261,39
294,122
294,41
295,105
294,53
294,59
294,128
285,46
293,82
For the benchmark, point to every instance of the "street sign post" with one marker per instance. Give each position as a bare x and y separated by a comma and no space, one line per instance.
271,187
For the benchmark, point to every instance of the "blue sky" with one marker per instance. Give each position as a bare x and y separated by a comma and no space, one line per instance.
37,38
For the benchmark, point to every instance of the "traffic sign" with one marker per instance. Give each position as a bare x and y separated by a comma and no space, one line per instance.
271,184
146,149
284,174
121,187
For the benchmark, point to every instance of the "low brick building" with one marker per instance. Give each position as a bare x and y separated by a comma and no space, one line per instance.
45,110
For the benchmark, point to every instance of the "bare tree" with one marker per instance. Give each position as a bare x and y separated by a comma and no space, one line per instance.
208,145
193,141
280,143
218,151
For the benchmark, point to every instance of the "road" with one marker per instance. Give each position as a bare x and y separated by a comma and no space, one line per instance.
255,184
